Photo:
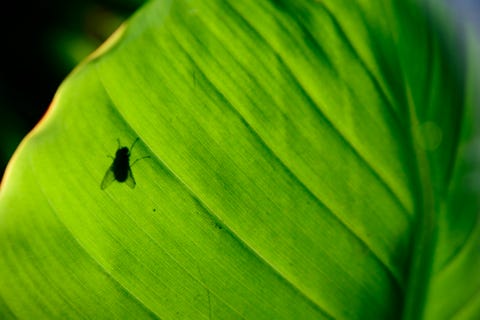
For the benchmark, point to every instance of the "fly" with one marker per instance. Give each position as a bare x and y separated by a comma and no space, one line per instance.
120,169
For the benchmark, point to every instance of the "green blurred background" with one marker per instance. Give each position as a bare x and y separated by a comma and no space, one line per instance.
42,41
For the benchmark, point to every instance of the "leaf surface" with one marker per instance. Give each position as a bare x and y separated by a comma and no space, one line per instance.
308,160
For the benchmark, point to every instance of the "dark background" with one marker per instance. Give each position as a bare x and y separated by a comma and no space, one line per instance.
42,41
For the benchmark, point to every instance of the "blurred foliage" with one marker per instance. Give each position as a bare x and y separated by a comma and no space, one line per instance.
43,42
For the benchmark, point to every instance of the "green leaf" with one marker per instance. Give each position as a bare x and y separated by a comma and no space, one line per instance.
308,160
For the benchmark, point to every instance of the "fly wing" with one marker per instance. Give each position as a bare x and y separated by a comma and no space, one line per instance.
130,180
108,178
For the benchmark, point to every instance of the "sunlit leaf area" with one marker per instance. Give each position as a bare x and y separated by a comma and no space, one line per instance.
277,159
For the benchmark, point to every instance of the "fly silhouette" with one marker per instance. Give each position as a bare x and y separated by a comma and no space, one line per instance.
120,169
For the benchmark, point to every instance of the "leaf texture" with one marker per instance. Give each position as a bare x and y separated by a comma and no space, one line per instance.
308,160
